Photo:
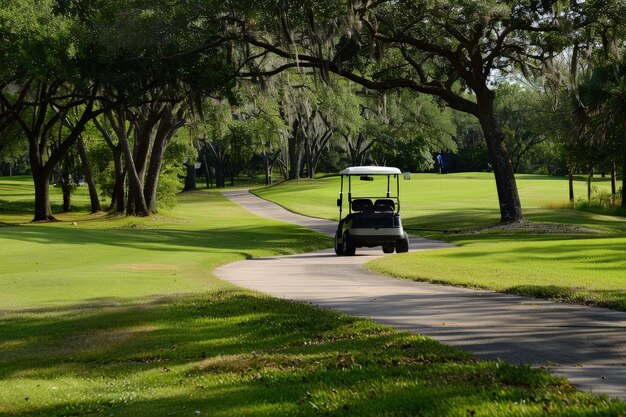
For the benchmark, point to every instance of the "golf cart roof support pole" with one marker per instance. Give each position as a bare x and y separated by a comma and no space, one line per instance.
341,198
398,191
350,193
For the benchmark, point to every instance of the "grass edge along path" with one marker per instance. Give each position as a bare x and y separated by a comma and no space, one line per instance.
574,265
228,351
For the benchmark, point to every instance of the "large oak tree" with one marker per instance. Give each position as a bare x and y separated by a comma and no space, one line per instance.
453,50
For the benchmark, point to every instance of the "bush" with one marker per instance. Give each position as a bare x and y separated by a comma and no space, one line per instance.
173,171
599,200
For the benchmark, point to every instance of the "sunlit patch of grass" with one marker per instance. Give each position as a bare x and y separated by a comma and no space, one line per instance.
583,271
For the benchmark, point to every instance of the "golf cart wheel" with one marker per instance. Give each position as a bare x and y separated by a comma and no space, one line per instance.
338,245
348,246
403,245
388,248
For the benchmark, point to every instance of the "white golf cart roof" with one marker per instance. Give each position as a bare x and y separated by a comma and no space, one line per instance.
370,170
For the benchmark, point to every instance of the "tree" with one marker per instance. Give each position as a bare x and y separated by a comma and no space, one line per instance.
234,132
85,164
517,111
44,79
117,190
439,48
409,129
303,108
46,149
150,84
603,101
13,147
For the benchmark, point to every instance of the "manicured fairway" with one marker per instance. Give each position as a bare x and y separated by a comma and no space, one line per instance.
450,201
122,317
578,266
101,259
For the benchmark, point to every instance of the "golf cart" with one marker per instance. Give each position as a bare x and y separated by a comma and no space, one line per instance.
371,221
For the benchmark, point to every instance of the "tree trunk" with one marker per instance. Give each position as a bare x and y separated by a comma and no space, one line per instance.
41,180
508,196
613,190
165,133
65,181
136,202
152,177
220,176
570,180
148,117
268,174
308,157
589,177
207,171
318,151
282,165
295,151
118,200
220,164
623,163
91,183
190,178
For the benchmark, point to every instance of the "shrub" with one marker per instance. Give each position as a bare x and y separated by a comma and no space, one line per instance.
599,200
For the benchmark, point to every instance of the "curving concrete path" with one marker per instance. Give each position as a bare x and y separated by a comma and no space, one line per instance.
586,345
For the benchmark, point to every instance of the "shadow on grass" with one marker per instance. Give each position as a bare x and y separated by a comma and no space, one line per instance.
598,251
613,299
28,207
453,219
472,218
232,352
241,239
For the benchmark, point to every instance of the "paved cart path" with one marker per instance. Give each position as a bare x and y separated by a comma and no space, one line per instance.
586,345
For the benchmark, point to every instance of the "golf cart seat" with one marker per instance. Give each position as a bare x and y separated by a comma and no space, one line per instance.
385,204
361,204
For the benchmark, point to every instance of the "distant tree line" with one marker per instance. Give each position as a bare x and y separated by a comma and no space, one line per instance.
135,98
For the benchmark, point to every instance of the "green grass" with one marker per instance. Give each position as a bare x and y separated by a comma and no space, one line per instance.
102,257
17,203
575,270
585,268
451,201
122,317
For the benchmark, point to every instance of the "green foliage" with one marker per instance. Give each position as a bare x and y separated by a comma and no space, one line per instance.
13,144
603,111
472,154
519,113
102,165
601,202
237,132
35,38
343,105
171,178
